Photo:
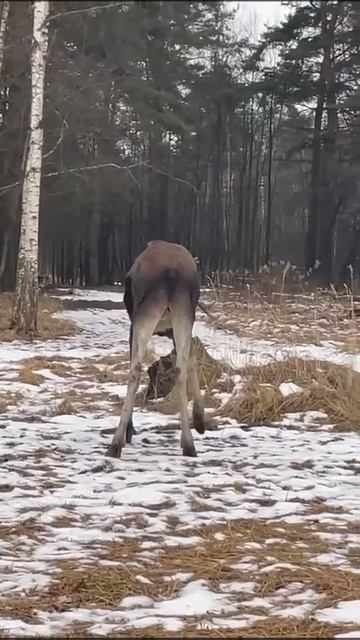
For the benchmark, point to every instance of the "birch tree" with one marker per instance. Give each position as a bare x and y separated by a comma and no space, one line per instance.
27,285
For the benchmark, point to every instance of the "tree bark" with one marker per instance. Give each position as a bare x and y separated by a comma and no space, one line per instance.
269,184
330,198
3,24
27,284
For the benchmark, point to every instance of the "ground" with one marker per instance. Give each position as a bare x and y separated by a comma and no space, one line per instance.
258,536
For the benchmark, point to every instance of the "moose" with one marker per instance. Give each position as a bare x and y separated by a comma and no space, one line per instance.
162,291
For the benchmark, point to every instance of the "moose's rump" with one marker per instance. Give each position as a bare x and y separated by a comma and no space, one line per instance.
164,271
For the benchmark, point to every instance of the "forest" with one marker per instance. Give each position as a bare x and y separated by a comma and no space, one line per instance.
159,122
175,466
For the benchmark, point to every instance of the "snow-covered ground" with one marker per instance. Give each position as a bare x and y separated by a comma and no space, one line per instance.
54,467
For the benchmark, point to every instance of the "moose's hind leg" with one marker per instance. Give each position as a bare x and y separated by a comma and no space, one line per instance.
142,330
198,417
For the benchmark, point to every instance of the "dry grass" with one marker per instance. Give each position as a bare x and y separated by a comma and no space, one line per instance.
326,387
354,557
316,317
64,407
271,628
49,326
72,403
209,369
213,560
28,376
9,399
58,365
28,528
101,370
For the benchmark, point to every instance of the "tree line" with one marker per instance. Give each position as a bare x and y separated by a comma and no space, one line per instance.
159,123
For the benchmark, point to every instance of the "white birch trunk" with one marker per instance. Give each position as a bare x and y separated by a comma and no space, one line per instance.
3,24
27,285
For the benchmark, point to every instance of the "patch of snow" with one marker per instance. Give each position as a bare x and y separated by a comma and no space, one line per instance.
130,602
288,388
91,295
348,612
333,559
238,587
301,611
195,599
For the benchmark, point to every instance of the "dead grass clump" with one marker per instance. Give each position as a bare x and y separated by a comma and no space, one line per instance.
354,557
26,528
60,366
63,521
27,376
49,326
326,387
64,407
209,369
103,370
107,375
115,362
9,399
78,400
167,405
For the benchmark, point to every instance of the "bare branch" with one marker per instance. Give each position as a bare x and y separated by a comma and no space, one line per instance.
106,165
134,179
98,7
164,173
58,142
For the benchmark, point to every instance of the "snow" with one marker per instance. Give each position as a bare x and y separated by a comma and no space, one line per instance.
287,388
92,295
195,599
344,612
53,467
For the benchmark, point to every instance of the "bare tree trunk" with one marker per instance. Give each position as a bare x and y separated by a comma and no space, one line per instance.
269,185
3,24
27,284
4,252
331,200
227,192
247,248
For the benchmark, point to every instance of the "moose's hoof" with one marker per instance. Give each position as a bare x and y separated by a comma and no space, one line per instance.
199,422
130,432
189,451
114,450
